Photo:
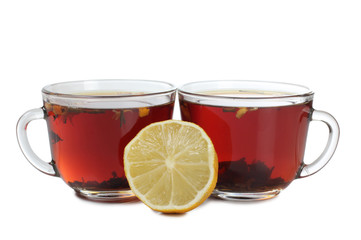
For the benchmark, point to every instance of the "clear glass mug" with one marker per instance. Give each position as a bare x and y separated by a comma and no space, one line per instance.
89,124
259,132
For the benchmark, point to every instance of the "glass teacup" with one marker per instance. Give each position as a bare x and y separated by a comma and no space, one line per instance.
259,131
89,124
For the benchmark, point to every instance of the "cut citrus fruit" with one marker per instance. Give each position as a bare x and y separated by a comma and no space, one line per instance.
171,166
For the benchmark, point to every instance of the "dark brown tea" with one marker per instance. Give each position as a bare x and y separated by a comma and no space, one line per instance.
259,149
87,144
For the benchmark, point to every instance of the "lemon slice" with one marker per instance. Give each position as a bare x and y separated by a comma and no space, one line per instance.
171,166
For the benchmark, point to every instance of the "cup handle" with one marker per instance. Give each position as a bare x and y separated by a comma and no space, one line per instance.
324,158
24,120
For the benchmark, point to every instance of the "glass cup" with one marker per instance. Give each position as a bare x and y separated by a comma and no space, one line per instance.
259,132
89,124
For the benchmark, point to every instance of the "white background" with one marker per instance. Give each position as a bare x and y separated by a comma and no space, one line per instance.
313,43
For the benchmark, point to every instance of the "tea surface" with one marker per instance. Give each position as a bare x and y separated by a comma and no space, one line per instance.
244,93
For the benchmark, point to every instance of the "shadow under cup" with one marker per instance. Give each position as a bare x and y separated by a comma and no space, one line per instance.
89,125
259,132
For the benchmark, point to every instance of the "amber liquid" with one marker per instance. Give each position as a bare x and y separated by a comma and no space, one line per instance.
259,149
87,145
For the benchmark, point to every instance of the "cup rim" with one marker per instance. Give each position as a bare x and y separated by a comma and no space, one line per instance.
306,93
46,89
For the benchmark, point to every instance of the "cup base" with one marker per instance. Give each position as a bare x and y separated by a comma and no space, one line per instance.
255,196
106,196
